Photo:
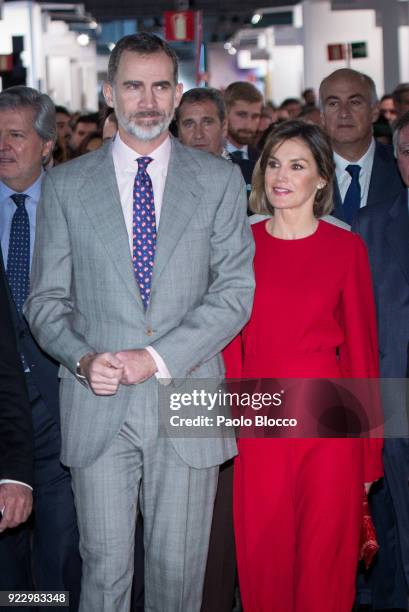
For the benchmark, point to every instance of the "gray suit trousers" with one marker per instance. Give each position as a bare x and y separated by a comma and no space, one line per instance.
177,505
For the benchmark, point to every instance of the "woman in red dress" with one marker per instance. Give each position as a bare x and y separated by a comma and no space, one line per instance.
298,502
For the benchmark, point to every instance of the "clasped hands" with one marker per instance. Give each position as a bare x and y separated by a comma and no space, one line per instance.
106,371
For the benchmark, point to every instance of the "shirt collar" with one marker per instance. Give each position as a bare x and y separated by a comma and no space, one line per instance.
125,157
365,162
34,191
230,148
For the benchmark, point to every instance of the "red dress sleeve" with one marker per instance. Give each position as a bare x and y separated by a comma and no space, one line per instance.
358,354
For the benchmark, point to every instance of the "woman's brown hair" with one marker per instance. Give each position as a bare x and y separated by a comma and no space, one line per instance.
319,145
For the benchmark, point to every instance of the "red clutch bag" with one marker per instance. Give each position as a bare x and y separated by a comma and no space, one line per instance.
368,546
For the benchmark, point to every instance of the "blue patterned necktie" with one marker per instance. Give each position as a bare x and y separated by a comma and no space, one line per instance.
143,229
352,200
18,259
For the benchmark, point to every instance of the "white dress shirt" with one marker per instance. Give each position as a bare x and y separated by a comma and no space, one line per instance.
344,178
126,167
9,481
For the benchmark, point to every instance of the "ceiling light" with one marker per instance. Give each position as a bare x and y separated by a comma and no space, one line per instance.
227,45
93,25
111,46
256,18
83,40
232,51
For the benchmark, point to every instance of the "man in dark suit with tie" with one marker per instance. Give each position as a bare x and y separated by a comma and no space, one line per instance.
243,105
201,121
16,435
16,443
385,229
366,172
27,135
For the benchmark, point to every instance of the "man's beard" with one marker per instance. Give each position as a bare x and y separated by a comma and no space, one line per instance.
243,137
147,132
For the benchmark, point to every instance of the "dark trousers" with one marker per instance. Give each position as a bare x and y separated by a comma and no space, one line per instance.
386,584
138,583
43,553
220,578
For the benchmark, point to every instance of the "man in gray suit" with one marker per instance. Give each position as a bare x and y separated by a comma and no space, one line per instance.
118,322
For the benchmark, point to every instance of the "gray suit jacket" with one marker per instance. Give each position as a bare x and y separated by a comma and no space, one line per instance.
85,298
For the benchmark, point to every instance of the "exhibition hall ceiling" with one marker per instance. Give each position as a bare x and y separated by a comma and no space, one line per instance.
109,10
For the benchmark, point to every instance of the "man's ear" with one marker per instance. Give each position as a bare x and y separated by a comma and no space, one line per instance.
46,151
375,112
108,94
178,94
322,114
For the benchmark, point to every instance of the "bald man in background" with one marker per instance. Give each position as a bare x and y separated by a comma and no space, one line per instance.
366,171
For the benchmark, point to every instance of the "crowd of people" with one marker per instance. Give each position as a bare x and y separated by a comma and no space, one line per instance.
199,235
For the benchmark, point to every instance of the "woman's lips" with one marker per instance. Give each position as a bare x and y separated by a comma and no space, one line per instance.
281,191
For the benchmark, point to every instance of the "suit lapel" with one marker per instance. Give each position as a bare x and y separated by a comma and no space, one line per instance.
253,154
180,199
397,231
101,202
379,177
18,320
383,174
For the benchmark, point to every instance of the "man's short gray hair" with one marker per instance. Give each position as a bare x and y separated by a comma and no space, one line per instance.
43,107
143,43
401,123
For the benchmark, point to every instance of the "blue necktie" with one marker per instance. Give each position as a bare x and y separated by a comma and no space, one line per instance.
352,200
144,229
18,259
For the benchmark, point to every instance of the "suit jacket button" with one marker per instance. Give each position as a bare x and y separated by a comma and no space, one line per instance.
149,331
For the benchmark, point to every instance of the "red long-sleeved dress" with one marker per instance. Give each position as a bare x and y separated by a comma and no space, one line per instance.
298,502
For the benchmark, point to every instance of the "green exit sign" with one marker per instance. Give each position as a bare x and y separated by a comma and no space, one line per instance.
359,50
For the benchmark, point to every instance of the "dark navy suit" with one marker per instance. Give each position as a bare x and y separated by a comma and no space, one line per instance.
247,166
385,182
16,434
51,531
385,229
